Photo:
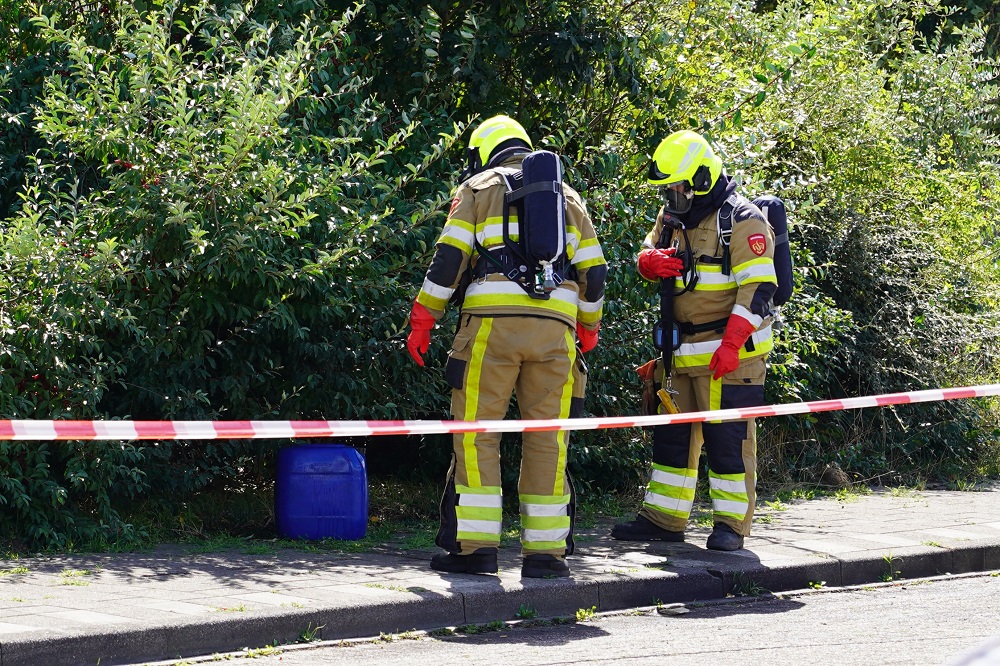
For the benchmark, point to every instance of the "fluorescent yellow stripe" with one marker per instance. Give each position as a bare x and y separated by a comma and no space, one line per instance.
481,300
544,522
709,286
513,230
765,279
715,395
478,536
478,490
682,512
461,224
479,513
587,263
724,496
544,499
695,360
673,492
431,302
762,261
543,545
454,242
472,380
681,471
738,517
559,488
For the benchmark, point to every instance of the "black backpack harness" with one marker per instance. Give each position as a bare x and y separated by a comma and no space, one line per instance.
537,261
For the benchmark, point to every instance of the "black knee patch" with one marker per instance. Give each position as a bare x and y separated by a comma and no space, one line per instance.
671,444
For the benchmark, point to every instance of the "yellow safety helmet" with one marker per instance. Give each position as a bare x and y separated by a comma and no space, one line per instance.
489,135
684,157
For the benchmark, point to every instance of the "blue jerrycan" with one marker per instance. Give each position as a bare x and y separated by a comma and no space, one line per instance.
321,491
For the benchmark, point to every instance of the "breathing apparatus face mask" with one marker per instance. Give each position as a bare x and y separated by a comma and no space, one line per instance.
677,197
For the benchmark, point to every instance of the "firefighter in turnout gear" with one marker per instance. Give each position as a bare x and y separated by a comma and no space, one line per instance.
512,339
724,280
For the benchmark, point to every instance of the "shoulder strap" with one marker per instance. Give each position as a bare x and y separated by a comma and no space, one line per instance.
725,216
724,225
778,238
515,191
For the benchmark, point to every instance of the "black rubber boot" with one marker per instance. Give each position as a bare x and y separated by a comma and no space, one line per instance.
724,537
544,566
482,561
643,529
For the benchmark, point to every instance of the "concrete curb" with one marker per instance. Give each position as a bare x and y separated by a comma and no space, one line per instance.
140,608
485,599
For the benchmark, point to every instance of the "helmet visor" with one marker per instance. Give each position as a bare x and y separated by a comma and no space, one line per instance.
677,197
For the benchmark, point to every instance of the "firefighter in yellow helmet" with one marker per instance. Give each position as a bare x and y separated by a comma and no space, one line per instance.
724,279
514,337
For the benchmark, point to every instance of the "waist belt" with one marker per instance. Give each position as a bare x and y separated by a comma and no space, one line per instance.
501,261
687,328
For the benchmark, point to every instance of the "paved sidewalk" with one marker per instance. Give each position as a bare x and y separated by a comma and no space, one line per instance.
136,608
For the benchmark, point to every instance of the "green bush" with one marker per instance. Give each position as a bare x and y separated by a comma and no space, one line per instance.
218,211
237,254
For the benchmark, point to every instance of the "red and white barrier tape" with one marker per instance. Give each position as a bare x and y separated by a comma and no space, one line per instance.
160,430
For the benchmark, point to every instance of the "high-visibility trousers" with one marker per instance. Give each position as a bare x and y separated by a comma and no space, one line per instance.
730,448
491,359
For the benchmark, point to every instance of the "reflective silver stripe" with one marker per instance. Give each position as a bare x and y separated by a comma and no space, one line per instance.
545,535
696,348
756,271
749,316
488,231
436,290
588,253
572,239
728,506
693,150
543,509
596,306
712,275
509,288
669,503
463,236
475,499
675,480
483,526
709,347
727,485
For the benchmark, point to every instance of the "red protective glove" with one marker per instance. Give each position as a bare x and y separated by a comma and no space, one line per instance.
659,263
421,323
727,357
588,338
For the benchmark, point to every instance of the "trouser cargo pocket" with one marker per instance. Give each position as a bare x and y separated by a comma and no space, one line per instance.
458,356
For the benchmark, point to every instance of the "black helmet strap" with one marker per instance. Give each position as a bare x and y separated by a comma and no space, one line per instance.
702,179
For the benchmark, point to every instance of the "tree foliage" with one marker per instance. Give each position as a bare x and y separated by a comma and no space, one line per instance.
223,211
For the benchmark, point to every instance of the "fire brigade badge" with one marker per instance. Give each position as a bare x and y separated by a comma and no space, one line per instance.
454,205
758,244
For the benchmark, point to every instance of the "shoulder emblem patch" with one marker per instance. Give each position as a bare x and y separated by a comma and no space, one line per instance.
454,205
758,244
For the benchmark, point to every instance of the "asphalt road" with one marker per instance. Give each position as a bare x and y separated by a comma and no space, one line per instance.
931,621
